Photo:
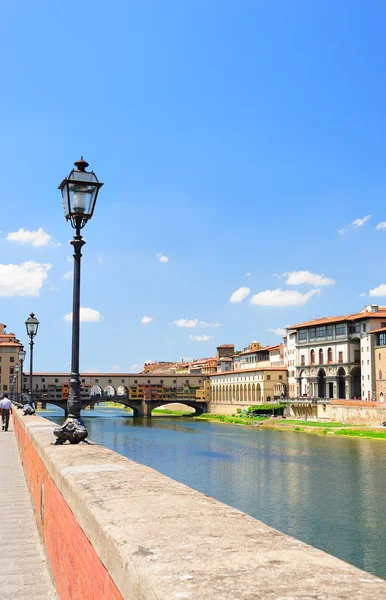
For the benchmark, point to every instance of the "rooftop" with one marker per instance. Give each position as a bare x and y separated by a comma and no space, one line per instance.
249,371
265,348
364,314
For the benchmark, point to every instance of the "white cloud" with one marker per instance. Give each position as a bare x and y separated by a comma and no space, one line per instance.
381,225
378,291
361,222
145,320
301,277
23,280
100,259
90,370
53,288
278,331
115,369
69,259
185,322
137,368
213,324
200,338
162,258
87,315
356,223
25,236
362,295
280,297
247,274
68,276
240,294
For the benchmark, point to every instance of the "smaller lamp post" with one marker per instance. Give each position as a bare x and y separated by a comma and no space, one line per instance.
17,369
32,325
22,355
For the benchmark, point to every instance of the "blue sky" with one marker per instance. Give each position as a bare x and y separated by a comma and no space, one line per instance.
232,138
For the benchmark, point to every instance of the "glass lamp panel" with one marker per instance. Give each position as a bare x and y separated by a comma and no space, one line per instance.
31,329
82,187
65,200
32,326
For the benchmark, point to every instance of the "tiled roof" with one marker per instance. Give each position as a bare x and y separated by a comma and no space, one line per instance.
226,346
354,317
266,348
250,371
381,330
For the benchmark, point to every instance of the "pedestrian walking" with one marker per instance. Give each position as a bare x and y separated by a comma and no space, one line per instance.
6,407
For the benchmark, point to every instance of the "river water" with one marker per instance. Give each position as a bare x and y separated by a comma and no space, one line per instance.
328,492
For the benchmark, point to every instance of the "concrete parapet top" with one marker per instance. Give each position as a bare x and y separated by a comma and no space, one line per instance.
160,539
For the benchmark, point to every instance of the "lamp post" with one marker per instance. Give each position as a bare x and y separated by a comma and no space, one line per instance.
79,194
32,325
22,355
17,369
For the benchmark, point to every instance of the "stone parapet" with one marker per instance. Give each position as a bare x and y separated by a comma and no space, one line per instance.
116,529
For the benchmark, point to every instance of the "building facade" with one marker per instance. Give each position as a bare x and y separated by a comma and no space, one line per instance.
333,357
54,386
240,389
225,351
256,356
380,363
9,359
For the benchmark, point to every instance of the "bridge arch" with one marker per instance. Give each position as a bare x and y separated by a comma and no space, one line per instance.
96,390
122,391
109,391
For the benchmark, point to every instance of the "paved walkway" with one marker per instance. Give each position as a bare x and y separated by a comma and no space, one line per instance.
23,570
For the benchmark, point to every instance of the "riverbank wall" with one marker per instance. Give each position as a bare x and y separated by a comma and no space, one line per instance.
354,412
114,529
347,411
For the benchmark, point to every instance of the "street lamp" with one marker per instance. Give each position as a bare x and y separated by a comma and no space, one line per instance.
22,355
32,325
79,194
17,369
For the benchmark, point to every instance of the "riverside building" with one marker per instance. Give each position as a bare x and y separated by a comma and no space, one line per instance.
240,389
333,357
256,356
9,358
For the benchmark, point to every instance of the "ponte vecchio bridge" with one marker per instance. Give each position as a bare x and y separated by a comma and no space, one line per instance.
141,392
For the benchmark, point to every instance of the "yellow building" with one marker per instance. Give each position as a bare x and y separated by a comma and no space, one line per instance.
9,359
243,388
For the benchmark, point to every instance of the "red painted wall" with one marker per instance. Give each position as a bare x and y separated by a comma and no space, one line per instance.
76,568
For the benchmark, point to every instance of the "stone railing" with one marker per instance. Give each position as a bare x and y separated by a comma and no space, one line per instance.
307,400
114,529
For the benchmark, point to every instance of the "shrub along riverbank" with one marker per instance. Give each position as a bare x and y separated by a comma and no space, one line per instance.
311,427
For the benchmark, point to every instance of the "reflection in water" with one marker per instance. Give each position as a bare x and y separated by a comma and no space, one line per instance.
328,492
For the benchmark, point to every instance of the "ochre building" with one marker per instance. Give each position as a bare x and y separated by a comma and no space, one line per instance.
9,358
240,389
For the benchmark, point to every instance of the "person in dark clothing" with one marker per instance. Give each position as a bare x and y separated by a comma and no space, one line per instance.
6,407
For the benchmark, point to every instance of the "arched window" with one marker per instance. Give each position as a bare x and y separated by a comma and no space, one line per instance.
329,355
380,374
321,358
312,357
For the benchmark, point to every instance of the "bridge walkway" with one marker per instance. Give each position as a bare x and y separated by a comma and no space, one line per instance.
23,570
